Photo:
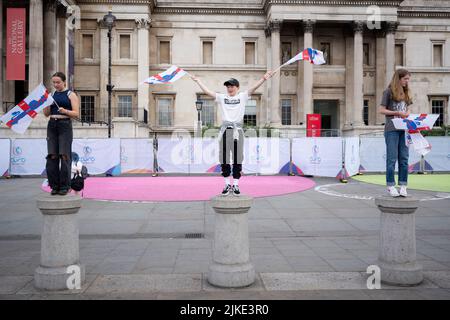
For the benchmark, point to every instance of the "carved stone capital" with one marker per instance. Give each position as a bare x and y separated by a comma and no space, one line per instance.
143,23
391,27
308,26
358,26
275,25
50,5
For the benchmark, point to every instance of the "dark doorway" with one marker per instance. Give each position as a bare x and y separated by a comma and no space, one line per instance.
328,109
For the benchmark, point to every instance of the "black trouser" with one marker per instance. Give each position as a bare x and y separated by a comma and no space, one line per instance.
227,145
59,147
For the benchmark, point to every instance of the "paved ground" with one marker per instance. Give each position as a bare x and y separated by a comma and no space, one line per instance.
310,245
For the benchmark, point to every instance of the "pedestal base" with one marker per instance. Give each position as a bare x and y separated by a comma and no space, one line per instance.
231,276
405,274
47,278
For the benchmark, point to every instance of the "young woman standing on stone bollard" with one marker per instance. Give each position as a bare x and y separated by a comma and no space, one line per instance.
60,135
395,103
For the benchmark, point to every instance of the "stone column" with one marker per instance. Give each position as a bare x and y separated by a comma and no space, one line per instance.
390,50
348,113
275,111
358,79
50,50
103,105
36,45
60,266
380,74
143,65
397,246
265,110
307,101
231,266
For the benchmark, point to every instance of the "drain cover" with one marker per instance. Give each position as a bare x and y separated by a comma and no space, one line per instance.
194,235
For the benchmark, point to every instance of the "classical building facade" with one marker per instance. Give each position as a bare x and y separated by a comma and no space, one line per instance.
363,41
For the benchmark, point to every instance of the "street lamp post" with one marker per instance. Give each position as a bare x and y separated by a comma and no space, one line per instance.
199,106
109,21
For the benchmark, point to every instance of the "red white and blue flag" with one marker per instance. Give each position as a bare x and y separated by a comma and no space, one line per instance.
170,75
312,55
20,117
413,125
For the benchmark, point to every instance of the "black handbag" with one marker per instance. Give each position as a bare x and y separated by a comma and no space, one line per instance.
77,182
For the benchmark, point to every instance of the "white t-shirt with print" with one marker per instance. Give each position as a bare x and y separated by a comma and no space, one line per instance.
232,108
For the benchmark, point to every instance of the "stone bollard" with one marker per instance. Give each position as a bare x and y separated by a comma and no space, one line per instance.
397,251
231,266
59,244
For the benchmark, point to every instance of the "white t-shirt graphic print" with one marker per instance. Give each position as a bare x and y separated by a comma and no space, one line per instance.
232,108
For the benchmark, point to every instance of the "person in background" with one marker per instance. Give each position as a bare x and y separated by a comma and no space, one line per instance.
76,166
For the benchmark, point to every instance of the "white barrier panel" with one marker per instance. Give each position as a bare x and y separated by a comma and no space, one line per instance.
28,156
204,155
99,155
174,155
5,156
136,155
352,155
318,156
373,154
266,155
439,157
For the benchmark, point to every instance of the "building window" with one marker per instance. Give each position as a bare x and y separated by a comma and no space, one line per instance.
87,108
164,52
207,52
286,112
250,113
125,106
438,55
438,107
125,46
325,47
208,115
250,53
399,47
165,111
366,54
366,112
87,51
286,51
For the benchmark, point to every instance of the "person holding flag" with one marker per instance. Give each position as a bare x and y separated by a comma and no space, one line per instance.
395,104
60,135
231,136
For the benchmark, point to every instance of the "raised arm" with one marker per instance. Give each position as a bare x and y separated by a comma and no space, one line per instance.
210,93
252,89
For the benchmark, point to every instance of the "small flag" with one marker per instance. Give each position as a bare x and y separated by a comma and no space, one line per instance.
170,75
21,116
413,125
312,55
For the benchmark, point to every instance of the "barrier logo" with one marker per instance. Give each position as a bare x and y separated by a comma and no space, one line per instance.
87,158
17,158
315,159
123,157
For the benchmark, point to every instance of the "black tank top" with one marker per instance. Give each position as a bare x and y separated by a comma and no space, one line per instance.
62,100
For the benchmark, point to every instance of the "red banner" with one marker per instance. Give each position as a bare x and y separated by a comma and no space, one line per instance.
15,43
313,125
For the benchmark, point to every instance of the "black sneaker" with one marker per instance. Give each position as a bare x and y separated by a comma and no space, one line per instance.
236,190
226,190
54,192
63,192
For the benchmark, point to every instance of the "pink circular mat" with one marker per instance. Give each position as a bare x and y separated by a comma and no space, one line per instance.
186,188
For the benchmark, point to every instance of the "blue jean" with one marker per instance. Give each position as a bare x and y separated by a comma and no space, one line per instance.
396,150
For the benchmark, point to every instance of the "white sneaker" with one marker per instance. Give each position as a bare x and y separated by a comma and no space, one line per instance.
403,192
393,191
